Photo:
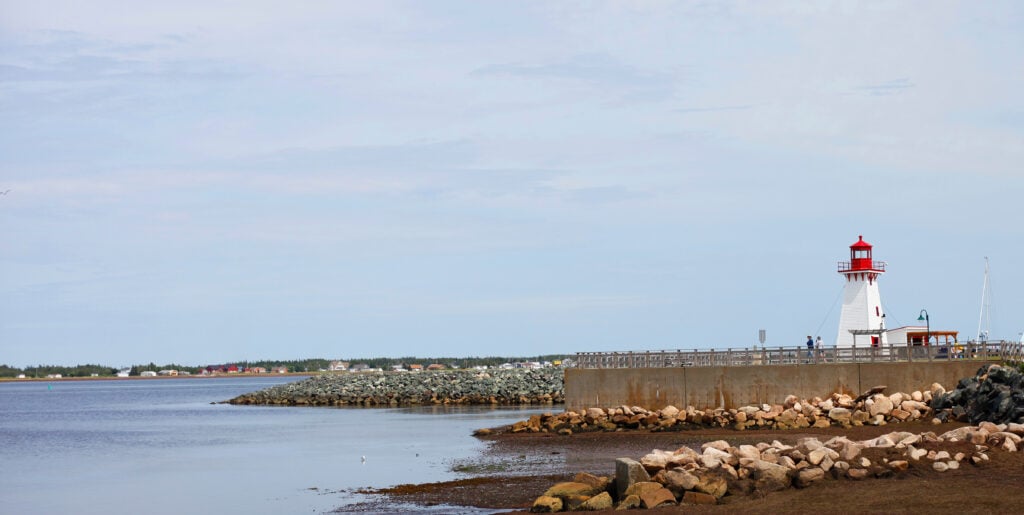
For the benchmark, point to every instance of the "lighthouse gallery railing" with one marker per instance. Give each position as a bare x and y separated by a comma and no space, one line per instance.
1004,351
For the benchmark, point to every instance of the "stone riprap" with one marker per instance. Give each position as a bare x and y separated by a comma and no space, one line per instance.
496,387
718,469
873,407
994,394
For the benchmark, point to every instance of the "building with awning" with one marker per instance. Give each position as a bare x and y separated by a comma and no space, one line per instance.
917,335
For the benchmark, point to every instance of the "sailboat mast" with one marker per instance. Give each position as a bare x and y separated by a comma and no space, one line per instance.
986,300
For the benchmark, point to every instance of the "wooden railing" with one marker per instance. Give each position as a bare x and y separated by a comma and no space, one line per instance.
1004,351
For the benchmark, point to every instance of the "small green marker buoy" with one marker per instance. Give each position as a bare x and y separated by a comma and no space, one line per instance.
49,387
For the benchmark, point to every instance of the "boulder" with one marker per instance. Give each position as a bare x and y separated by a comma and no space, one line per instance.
546,504
669,412
857,473
657,497
656,460
881,405
639,489
601,501
815,456
870,393
699,498
679,480
746,452
958,434
627,473
840,415
631,502
761,469
711,484
599,483
569,488
805,477
573,502
714,458
720,445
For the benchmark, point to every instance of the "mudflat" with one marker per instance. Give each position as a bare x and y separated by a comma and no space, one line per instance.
517,468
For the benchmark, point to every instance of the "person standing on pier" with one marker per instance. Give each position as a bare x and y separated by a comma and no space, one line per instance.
810,347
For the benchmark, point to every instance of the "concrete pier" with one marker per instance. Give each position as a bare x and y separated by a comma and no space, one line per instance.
731,387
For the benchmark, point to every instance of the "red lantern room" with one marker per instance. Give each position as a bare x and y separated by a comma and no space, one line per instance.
860,259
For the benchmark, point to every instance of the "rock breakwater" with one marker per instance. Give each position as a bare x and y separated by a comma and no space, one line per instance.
495,387
873,407
994,394
691,476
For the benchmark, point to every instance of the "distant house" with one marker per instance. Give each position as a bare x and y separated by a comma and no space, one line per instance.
279,370
338,366
168,372
359,367
148,373
54,376
124,372
21,376
435,366
416,368
233,369
398,368
257,370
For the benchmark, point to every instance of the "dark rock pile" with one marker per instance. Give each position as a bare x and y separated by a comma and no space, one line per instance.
995,394
496,387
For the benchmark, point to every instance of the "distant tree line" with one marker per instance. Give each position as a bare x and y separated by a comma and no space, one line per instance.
302,365
45,370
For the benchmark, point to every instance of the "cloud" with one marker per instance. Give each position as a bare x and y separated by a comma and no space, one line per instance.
599,71
714,109
70,58
890,87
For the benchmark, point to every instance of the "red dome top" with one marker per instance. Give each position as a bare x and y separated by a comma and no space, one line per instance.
860,244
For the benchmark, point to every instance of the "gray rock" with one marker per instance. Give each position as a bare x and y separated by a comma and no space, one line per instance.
627,473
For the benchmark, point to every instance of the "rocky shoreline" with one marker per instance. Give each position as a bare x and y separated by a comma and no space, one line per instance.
687,476
392,389
993,400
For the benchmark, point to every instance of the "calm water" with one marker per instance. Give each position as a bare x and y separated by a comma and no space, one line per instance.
159,446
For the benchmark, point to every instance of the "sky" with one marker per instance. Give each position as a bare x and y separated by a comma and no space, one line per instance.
200,182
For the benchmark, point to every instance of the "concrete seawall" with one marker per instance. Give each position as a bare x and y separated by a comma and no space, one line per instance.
731,387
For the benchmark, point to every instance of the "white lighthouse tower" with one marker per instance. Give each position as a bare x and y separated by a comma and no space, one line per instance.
862,305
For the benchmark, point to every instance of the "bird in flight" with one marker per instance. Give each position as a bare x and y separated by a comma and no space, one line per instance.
5,192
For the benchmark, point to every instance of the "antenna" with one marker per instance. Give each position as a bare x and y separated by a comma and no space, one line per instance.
985,316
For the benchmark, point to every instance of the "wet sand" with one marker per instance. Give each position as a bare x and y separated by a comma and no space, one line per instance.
516,468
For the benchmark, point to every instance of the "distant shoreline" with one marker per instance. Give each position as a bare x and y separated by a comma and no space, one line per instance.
136,378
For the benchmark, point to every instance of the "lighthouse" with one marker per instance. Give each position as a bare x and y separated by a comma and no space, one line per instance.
862,305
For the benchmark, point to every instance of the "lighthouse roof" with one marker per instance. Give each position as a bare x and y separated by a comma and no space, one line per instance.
860,244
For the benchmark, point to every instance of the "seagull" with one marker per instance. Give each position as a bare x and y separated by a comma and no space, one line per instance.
5,192
364,459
